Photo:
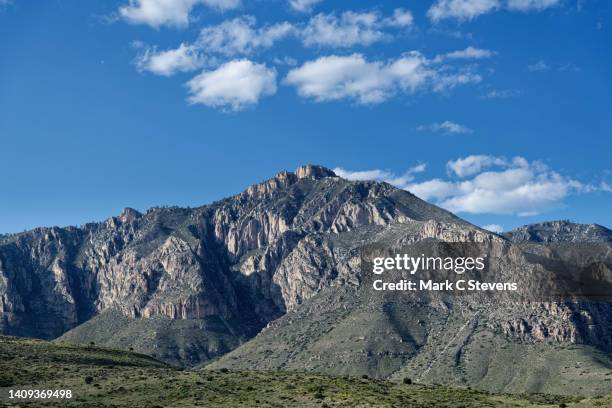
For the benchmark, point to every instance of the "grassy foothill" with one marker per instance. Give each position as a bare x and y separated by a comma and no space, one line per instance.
101,377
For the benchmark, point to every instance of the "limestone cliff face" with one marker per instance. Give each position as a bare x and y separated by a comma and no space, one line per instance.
261,251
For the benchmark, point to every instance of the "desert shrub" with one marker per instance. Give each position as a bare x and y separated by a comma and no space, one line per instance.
89,379
6,380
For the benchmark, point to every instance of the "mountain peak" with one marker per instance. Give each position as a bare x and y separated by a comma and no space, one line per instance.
129,214
314,172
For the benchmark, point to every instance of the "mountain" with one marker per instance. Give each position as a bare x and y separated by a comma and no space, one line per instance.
225,269
560,231
272,279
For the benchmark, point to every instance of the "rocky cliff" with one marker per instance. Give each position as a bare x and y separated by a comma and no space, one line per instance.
244,260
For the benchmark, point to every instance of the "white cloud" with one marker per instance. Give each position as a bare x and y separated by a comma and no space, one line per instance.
496,228
185,58
352,77
303,6
351,28
240,36
288,61
157,13
528,5
444,81
367,82
539,66
400,18
465,10
461,9
496,185
569,68
468,53
346,31
473,164
606,187
400,180
446,127
514,186
502,93
233,86
232,37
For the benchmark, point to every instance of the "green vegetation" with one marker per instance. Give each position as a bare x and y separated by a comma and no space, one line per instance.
180,342
344,332
101,377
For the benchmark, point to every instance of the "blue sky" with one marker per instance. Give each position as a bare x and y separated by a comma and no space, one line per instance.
496,109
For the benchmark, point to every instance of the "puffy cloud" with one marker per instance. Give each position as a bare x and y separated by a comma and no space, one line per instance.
446,127
240,36
382,175
185,58
435,188
514,186
232,37
464,10
400,18
461,9
498,229
353,77
366,82
489,184
473,164
351,28
157,13
233,86
303,6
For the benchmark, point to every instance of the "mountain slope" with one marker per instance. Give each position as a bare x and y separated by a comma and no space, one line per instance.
487,341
